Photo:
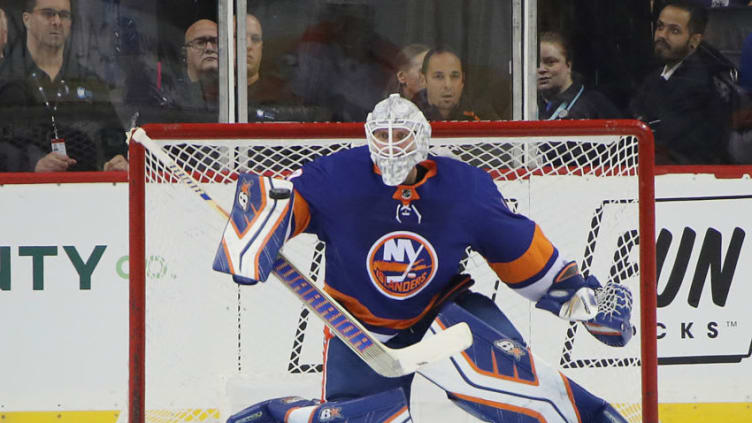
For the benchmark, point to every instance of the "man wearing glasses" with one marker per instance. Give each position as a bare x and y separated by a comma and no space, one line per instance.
201,57
196,92
57,113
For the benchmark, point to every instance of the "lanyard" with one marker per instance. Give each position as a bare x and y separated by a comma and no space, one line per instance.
52,108
563,109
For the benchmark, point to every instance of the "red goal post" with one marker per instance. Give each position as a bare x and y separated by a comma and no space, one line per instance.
600,172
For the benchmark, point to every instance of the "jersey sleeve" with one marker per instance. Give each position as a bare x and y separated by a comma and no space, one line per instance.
312,185
514,246
301,214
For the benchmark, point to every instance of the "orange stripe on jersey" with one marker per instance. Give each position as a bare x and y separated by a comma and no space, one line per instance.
363,314
571,396
526,411
395,415
529,263
302,214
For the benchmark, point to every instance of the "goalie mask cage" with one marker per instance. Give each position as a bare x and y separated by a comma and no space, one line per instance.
202,347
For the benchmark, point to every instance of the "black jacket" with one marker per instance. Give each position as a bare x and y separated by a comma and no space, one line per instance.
689,117
80,103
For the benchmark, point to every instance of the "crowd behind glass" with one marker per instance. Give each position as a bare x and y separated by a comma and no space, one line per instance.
75,74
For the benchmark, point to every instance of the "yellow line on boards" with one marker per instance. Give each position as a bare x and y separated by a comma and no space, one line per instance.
107,416
721,412
189,415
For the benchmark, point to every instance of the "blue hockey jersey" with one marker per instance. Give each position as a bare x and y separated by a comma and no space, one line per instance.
391,252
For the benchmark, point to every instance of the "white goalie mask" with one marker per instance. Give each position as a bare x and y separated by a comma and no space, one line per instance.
398,135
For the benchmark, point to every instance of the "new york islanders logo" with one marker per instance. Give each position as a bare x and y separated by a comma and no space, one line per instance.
401,264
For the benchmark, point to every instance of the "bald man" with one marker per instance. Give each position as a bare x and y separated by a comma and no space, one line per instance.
201,57
198,90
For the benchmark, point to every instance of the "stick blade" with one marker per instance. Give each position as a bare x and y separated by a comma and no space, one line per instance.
440,346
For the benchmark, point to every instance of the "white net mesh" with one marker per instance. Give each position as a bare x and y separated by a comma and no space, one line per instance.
213,348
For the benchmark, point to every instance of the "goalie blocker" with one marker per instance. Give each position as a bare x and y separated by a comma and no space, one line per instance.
258,225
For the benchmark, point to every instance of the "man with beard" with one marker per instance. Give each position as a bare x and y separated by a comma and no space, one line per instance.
679,101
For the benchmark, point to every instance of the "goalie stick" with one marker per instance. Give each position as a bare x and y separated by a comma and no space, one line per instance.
388,362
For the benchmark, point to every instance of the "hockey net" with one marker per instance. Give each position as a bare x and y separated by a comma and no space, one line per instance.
203,347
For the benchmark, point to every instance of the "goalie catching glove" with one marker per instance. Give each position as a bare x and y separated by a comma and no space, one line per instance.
259,224
605,311
611,325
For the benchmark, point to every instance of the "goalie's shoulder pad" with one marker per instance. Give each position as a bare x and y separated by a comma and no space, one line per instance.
612,324
258,225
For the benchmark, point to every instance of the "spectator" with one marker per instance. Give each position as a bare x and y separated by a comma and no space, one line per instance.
47,96
188,93
270,98
200,91
561,94
407,80
740,142
680,101
3,33
442,99
745,64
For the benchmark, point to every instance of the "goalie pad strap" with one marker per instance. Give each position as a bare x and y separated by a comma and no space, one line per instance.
259,224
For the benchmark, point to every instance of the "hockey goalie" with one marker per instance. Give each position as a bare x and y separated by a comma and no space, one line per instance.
396,222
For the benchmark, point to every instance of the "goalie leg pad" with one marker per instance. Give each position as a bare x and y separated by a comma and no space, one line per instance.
608,414
260,412
498,378
259,224
389,406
